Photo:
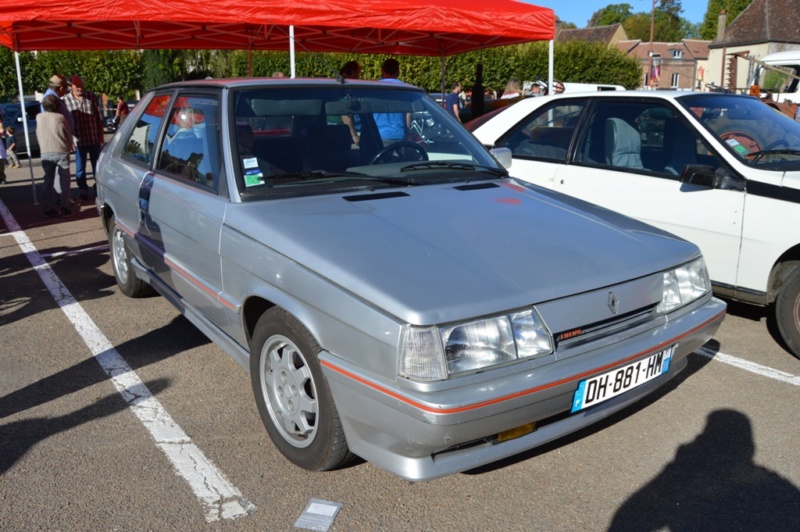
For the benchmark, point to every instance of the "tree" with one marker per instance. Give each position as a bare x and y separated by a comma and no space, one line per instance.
8,74
666,28
611,14
673,8
708,28
565,25
164,66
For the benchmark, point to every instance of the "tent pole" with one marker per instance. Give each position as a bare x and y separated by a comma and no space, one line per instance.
250,62
25,125
291,50
444,79
550,55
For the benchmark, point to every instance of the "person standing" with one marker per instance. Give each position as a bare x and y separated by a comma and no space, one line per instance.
11,144
122,111
88,130
393,127
352,70
55,144
452,101
513,89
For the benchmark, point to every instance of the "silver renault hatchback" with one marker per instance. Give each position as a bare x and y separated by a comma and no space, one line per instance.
393,293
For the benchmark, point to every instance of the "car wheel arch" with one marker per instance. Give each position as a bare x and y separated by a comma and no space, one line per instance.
257,305
783,268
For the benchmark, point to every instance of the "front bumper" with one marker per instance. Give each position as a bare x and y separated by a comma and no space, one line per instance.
427,434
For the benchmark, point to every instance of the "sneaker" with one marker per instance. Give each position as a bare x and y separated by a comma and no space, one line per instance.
50,213
66,212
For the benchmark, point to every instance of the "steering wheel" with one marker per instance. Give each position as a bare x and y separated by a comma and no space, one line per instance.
396,151
757,156
775,143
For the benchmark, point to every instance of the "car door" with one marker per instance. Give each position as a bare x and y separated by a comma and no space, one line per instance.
183,202
627,156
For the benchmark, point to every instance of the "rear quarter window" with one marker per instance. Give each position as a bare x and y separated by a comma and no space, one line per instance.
140,144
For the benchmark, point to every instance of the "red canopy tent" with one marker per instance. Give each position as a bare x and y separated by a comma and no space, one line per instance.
397,27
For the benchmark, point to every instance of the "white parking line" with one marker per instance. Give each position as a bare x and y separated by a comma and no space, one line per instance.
59,254
220,499
758,369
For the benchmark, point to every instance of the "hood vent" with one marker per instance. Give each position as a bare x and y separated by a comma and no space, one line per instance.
476,186
379,196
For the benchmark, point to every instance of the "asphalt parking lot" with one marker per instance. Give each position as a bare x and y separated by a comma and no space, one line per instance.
117,414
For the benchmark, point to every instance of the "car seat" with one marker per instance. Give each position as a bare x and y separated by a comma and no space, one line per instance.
623,144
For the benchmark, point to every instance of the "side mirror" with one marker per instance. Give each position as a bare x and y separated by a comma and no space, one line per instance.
705,176
503,156
698,174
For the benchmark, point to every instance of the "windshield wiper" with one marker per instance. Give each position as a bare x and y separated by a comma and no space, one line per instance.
318,175
311,173
430,165
757,155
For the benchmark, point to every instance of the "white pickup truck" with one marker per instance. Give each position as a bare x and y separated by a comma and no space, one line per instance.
779,75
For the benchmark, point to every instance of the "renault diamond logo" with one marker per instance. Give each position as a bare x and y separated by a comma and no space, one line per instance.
613,302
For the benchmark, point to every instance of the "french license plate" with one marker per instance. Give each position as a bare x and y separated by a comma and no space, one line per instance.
610,384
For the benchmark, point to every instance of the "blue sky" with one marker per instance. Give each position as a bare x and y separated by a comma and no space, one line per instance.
580,11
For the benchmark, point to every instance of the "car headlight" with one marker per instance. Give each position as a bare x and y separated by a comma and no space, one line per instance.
436,353
683,285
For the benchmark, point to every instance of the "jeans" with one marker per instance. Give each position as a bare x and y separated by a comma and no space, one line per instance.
82,155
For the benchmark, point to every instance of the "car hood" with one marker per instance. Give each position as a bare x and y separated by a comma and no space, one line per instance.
439,253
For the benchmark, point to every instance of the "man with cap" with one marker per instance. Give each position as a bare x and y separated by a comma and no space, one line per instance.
58,87
88,130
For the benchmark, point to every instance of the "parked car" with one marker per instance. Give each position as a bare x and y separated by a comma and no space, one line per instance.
408,303
12,117
110,121
720,170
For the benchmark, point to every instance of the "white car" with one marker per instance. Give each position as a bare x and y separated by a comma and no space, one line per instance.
720,170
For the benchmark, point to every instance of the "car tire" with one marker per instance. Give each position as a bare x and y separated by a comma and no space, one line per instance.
129,284
293,396
787,312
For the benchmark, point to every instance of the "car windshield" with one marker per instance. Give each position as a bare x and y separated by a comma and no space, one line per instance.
303,141
756,133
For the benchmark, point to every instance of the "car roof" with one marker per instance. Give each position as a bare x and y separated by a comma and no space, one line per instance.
231,83
669,94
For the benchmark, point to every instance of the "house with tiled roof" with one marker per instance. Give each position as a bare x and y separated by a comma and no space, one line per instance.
764,27
607,35
677,65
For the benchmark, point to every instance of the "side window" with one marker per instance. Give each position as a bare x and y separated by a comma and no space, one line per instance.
641,136
612,136
140,145
545,134
32,111
190,148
